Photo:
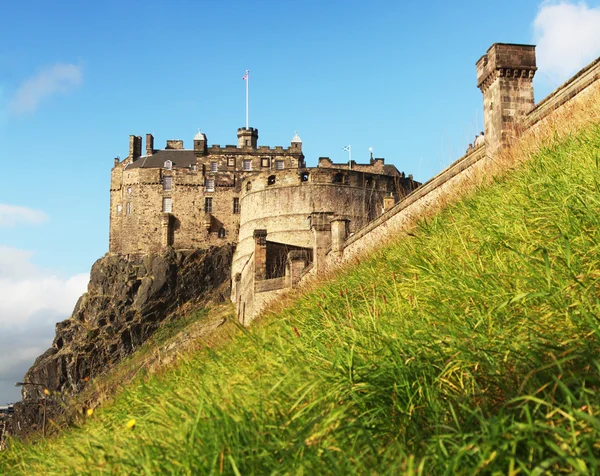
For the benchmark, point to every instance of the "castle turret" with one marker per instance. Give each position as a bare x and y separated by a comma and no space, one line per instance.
247,137
505,76
200,144
296,143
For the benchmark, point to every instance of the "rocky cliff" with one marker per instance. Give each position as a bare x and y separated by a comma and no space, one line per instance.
127,299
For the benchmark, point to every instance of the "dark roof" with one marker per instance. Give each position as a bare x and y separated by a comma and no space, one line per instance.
179,157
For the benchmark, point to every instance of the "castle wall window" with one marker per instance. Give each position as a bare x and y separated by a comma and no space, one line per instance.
128,208
236,205
213,166
248,185
221,233
167,205
194,167
119,208
271,180
210,185
304,177
208,205
231,161
167,183
247,164
129,190
279,165
265,162
338,178
168,164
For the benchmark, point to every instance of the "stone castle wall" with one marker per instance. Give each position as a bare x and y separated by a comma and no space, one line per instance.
458,177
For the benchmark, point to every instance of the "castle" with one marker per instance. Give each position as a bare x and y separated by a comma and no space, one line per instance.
265,200
289,222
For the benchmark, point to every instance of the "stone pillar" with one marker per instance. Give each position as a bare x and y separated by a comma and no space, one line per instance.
505,77
388,202
135,147
319,224
149,144
339,233
166,230
297,260
260,255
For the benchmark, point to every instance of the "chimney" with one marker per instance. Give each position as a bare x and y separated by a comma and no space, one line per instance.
135,147
149,144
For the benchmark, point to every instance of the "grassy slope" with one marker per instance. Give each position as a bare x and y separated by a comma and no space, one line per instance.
470,346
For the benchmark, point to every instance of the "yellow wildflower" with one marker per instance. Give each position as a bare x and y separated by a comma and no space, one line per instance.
131,424
46,391
90,411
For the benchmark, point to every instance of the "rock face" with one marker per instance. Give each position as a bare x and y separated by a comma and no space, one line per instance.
126,301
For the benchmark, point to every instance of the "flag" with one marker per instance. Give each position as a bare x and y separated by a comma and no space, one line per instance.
347,148
245,77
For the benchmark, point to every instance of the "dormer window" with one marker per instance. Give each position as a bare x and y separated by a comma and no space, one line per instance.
213,166
168,164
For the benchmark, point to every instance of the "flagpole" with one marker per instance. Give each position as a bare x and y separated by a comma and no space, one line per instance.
247,81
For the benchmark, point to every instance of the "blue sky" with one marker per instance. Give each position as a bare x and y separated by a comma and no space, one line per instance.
76,78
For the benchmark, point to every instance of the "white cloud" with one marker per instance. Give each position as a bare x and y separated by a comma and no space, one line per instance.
11,215
32,301
567,35
58,78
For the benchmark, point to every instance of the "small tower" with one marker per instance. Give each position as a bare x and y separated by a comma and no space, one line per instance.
505,76
296,143
200,145
247,137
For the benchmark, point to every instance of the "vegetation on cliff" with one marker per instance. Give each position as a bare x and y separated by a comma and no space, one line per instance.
471,345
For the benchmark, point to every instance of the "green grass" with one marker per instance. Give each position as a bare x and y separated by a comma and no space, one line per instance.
471,346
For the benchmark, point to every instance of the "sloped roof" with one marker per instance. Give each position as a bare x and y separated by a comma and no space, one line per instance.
180,158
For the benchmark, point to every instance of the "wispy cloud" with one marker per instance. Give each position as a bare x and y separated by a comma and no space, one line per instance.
567,35
58,78
12,215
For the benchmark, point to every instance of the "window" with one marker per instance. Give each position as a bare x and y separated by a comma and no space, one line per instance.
129,190
194,167
236,205
213,166
338,178
247,165
210,185
167,183
231,161
208,205
167,206
128,209
168,164
221,233
271,180
304,177
248,185
120,208
279,165
265,162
